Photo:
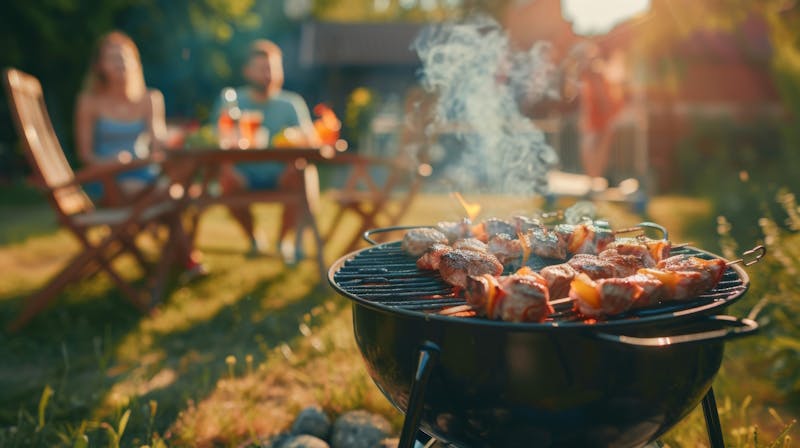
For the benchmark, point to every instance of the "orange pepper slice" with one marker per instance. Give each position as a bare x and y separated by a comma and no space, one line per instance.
668,278
492,294
585,288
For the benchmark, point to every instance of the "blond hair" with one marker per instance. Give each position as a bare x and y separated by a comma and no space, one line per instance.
264,47
95,80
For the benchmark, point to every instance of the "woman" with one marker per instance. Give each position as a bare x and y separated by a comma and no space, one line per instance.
117,117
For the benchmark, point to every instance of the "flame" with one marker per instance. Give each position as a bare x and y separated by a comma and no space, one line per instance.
526,247
472,209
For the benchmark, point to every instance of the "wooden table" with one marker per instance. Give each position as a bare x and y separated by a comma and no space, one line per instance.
192,172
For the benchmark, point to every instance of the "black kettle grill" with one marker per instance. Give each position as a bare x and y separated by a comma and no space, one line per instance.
474,382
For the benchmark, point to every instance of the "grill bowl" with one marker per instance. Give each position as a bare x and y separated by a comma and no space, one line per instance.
620,382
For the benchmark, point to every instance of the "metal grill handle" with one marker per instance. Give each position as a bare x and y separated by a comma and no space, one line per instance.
737,328
659,227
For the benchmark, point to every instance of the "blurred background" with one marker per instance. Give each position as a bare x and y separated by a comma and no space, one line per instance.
714,85
705,141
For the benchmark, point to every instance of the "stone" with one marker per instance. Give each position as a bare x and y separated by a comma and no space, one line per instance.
304,441
312,421
389,443
359,429
276,441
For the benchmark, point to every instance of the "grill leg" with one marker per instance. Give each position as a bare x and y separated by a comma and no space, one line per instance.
428,354
713,425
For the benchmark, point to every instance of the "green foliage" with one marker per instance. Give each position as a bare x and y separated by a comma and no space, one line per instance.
46,394
740,167
51,39
190,49
779,286
359,111
785,35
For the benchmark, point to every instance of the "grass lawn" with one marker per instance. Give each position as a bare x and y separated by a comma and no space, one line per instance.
229,358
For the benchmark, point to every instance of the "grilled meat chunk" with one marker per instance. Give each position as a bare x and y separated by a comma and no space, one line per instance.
455,230
525,299
430,259
558,277
456,265
604,297
512,298
624,265
488,228
417,241
547,244
524,224
473,244
506,248
586,238
650,251
652,290
593,266
679,285
711,270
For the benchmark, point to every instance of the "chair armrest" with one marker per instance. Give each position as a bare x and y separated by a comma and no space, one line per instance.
101,172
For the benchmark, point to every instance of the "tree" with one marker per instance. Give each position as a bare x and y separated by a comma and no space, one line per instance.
189,48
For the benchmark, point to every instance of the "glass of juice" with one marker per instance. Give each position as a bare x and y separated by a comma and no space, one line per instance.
249,125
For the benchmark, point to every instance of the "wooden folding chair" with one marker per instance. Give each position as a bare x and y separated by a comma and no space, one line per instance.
74,209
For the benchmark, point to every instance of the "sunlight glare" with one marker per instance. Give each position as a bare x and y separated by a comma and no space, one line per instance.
592,16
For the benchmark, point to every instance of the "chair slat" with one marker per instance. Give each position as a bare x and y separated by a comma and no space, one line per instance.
43,149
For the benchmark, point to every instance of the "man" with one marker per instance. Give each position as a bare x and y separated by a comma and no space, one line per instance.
281,110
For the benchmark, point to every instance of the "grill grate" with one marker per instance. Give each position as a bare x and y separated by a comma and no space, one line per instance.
387,276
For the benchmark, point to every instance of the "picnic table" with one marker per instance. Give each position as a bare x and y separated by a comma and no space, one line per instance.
193,173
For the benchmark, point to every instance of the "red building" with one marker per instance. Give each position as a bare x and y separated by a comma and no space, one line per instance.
705,74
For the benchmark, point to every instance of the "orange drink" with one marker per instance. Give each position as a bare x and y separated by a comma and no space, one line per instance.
248,126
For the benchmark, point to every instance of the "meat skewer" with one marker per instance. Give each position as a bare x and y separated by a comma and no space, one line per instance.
609,263
676,278
576,239
595,297
511,298
649,286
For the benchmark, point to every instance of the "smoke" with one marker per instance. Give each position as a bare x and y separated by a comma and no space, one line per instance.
479,83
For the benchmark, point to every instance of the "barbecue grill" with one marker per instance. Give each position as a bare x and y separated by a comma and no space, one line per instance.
475,382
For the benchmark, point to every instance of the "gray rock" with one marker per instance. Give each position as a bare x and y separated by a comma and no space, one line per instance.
359,429
304,441
312,421
389,443
277,440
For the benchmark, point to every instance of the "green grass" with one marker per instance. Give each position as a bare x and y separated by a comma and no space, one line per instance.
229,358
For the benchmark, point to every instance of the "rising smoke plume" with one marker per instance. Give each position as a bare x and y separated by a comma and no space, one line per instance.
479,82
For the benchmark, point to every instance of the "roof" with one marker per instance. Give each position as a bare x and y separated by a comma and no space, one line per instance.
358,44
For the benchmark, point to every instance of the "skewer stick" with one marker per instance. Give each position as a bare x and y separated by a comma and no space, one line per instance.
558,302
629,230
455,310
750,257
